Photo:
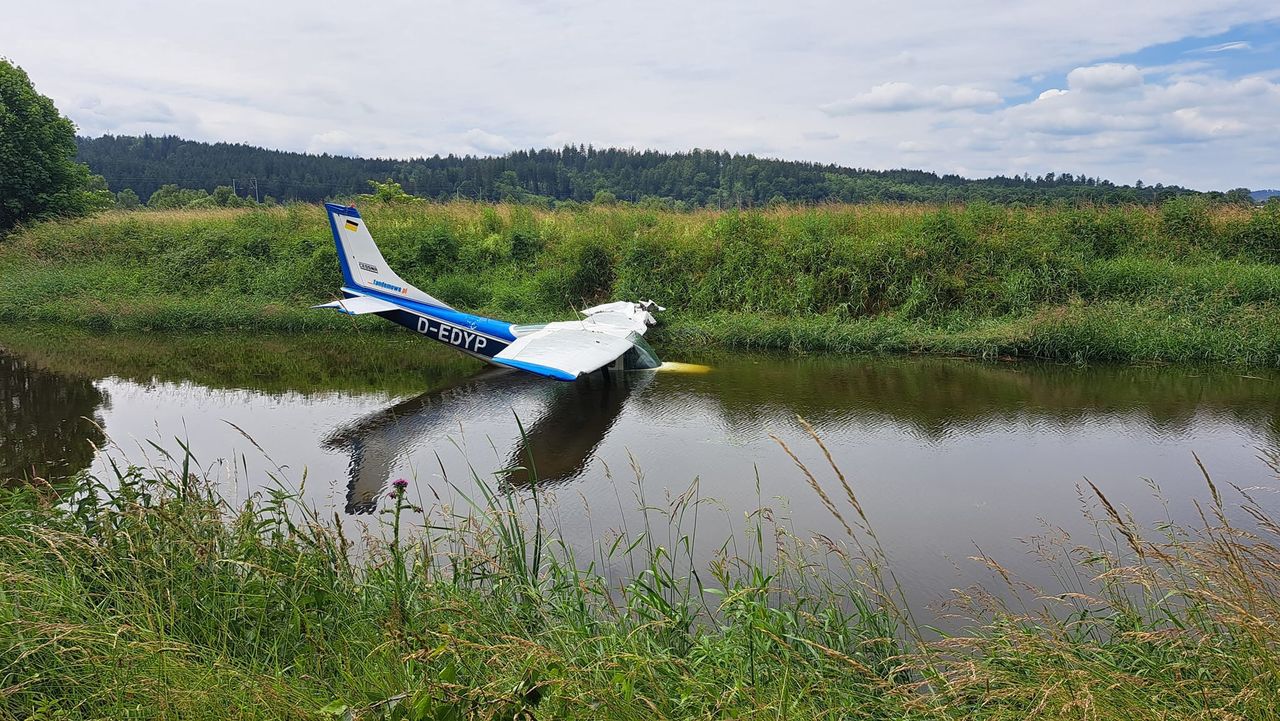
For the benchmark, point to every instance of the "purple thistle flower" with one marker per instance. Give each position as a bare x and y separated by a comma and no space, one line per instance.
400,484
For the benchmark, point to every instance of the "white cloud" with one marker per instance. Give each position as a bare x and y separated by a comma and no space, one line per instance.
333,142
558,140
1195,125
1210,90
903,59
898,97
1059,119
1105,78
911,146
93,116
1227,47
487,142
1200,121
732,75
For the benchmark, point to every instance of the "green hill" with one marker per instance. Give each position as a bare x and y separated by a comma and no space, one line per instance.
698,178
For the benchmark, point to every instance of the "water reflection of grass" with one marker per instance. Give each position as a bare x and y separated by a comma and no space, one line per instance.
300,362
149,597
937,396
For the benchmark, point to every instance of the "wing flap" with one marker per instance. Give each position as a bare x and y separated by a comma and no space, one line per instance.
359,305
563,351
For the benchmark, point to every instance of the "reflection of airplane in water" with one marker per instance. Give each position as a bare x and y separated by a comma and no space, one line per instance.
556,448
574,419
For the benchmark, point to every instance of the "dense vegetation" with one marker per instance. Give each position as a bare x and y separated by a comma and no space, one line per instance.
701,178
39,177
1183,282
149,596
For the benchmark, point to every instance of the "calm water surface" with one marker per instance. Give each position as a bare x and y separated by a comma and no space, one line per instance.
947,456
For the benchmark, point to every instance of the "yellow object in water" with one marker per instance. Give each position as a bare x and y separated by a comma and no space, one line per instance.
673,367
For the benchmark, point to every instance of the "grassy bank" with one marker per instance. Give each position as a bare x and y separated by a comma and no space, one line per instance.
1186,282
149,597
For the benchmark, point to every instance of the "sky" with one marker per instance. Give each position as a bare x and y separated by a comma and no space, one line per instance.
1182,92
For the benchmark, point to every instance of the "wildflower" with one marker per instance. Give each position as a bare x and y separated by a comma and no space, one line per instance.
398,485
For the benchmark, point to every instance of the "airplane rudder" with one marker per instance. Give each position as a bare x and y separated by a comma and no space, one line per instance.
338,214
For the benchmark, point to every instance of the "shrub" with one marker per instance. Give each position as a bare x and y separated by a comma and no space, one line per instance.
1184,221
592,274
1261,237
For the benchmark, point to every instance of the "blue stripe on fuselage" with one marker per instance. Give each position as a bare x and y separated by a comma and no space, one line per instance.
471,333
535,368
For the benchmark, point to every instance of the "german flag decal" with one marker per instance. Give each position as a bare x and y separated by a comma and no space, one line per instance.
352,225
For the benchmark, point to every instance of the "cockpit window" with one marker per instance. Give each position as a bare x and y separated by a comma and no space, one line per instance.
641,356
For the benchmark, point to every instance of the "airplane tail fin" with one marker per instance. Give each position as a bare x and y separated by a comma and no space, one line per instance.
363,267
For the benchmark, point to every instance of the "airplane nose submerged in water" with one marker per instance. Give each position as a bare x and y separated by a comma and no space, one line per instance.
609,336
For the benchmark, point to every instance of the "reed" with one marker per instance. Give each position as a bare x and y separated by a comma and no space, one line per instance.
148,595
1186,282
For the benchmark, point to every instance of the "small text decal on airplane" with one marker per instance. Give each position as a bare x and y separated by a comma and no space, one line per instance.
388,286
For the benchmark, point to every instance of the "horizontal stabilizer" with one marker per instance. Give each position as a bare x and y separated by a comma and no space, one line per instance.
360,305
563,351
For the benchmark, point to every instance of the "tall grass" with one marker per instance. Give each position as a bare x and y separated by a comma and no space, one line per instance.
148,596
1059,282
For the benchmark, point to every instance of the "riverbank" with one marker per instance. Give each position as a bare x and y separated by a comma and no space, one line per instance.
1182,283
150,597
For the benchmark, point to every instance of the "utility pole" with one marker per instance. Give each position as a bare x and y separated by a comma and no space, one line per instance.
254,181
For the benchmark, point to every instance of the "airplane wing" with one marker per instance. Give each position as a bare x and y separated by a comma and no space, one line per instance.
359,305
564,351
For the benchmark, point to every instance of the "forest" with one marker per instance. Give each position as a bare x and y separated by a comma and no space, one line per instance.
677,181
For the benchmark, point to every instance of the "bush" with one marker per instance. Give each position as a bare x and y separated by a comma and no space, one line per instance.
526,241
1184,222
1261,237
1102,233
461,291
592,273
437,249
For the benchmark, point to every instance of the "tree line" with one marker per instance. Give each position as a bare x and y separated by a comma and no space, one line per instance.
575,173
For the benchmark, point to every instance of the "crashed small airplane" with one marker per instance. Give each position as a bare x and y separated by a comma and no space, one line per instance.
608,337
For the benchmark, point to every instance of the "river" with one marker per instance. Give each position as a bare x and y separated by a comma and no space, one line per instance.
949,458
